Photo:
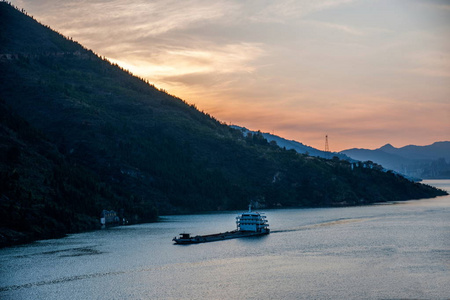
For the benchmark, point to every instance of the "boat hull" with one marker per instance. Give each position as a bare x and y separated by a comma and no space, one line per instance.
217,237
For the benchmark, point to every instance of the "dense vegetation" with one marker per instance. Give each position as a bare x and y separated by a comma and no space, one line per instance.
80,135
43,195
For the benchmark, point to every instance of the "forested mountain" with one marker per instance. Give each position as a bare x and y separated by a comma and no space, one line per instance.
45,195
80,134
428,162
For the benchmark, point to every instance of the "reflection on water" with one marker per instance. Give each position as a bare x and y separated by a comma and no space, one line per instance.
373,252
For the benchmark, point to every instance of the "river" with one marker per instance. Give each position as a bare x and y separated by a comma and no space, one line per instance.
393,250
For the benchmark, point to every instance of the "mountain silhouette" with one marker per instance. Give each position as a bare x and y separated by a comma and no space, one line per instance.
428,162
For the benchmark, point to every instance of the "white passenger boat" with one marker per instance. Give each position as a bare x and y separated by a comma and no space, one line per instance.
248,224
252,221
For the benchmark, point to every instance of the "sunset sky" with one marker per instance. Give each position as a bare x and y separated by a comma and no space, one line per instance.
365,73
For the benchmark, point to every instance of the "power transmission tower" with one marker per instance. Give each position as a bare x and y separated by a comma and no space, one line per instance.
327,149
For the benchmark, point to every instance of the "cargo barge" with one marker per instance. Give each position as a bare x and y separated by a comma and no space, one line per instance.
248,224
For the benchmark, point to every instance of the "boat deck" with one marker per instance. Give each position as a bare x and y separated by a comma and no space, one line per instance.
187,239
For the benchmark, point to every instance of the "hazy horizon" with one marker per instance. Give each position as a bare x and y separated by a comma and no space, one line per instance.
365,73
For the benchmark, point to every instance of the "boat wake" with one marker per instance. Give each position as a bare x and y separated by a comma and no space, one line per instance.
323,224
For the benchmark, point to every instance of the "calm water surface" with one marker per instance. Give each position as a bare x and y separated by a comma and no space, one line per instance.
374,252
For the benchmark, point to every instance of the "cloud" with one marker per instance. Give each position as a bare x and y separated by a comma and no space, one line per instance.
430,64
150,18
284,11
437,5
359,70
210,67
337,27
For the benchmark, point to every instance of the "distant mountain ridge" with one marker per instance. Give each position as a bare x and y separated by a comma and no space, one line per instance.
427,162
432,152
385,154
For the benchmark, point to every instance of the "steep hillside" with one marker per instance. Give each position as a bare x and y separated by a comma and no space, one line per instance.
140,148
428,162
44,195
